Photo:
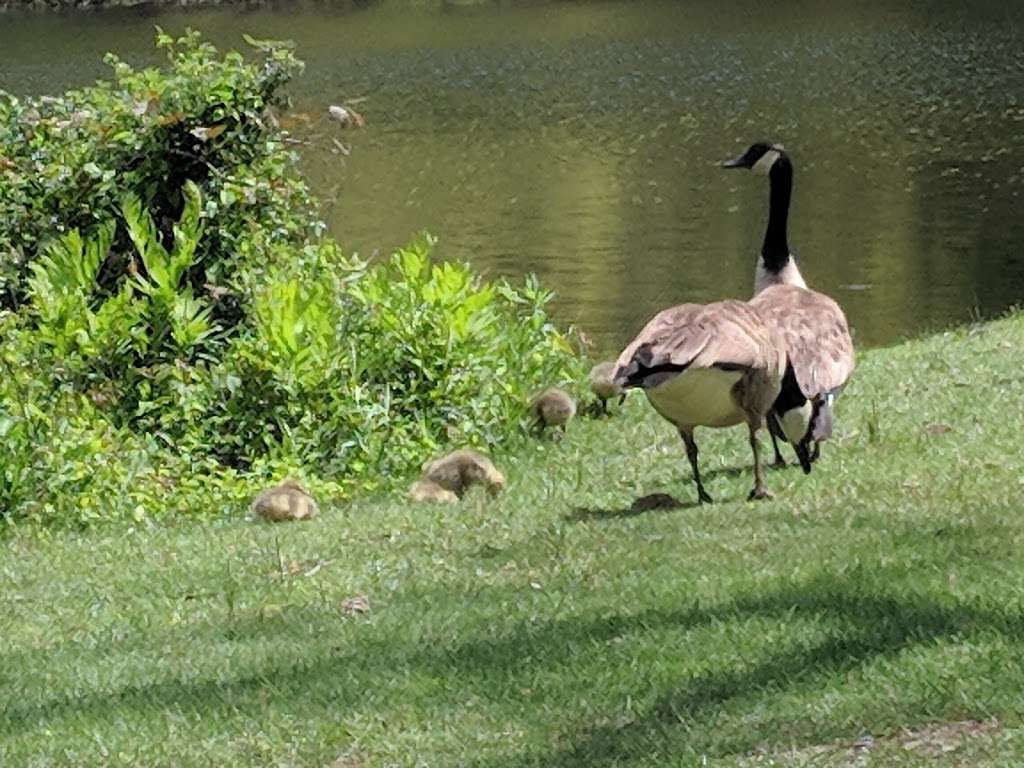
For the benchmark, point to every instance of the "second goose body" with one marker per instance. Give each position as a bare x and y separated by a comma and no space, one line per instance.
819,349
712,365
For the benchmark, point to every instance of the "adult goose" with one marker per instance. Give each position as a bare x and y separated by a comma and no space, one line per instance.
819,349
710,365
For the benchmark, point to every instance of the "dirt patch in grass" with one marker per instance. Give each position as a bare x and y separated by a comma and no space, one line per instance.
932,742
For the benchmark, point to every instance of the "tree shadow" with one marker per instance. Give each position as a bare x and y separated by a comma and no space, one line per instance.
363,671
874,626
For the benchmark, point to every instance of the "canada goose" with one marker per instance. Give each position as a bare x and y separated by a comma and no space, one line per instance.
458,471
553,408
287,501
426,490
708,365
820,357
602,384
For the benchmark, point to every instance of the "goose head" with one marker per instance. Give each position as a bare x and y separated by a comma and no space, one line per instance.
761,157
776,264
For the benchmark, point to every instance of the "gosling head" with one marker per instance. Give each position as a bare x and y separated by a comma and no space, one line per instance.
292,484
602,381
495,481
761,157
604,386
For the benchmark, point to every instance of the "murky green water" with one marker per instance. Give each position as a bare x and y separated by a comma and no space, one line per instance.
579,140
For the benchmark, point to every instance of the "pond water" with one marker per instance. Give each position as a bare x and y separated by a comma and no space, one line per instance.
580,141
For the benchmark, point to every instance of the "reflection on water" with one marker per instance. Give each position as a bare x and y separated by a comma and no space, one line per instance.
581,140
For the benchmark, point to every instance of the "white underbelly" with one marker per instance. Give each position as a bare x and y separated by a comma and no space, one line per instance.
698,397
796,421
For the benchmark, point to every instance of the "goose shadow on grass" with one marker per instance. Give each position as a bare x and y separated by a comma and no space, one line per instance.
652,502
866,623
655,502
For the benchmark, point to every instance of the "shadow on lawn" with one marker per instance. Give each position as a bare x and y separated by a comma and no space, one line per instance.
653,501
873,626
649,503
657,502
865,625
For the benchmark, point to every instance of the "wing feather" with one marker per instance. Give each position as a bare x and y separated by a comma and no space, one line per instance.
816,335
725,333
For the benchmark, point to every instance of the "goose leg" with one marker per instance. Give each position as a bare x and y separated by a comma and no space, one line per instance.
816,453
604,407
759,492
803,456
691,453
779,463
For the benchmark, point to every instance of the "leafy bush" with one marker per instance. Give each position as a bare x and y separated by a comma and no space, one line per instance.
163,353
65,162
372,367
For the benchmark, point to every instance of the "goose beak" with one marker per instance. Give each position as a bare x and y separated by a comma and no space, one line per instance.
736,162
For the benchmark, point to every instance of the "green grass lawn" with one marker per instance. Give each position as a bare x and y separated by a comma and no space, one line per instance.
873,614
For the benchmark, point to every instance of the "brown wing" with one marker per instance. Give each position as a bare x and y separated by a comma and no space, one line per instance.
728,333
816,335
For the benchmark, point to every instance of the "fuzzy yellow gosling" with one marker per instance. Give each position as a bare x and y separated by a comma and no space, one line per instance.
553,408
458,471
287,501
602,384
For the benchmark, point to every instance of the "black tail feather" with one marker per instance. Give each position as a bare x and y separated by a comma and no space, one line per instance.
637,374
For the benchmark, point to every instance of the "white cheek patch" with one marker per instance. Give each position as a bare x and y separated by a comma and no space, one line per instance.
764,165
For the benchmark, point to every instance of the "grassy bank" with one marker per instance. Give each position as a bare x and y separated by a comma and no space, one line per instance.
564,624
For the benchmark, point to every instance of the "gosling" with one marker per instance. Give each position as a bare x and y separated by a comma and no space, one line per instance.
287,501
458,471
602,384
429,491
553,408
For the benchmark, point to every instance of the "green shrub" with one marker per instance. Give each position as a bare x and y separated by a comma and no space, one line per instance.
66,162
370,368
165,354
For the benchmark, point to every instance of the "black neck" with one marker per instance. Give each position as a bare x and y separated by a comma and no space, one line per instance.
775,251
